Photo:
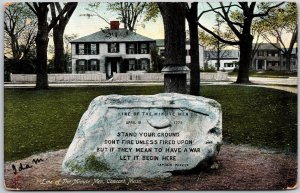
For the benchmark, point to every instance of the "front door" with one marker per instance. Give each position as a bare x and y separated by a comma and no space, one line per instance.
260,64
112,66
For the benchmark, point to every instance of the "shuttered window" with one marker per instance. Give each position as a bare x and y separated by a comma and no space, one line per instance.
132,64
131,48
144,48
81,49
113,48
93,65
87,48
81,66
145,64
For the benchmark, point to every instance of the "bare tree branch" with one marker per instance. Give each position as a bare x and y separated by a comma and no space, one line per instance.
95,14
31,8
268,10
209,10
232,27
226,18
216,36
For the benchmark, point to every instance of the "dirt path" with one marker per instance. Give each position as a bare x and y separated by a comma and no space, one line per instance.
240,168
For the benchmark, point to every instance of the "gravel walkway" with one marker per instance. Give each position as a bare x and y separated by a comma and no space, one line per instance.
240,168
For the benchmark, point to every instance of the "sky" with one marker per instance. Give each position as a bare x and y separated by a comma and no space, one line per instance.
83,25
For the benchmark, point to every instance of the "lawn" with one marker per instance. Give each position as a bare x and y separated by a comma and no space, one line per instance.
38,121
268,74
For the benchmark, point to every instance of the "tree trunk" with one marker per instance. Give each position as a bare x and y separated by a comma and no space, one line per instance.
218,57
59,57
288,61
194,51
173,15
245,59
58,35
41,48
14,47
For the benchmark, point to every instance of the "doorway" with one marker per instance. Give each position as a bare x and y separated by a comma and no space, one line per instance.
260,64
112,65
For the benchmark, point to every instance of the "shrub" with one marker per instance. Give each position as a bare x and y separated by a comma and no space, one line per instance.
209,68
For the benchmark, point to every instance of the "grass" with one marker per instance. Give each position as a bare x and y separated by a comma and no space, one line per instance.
268,74
39,121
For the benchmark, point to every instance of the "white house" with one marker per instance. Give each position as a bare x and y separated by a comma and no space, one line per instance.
111,51
160,44
228,59
268,57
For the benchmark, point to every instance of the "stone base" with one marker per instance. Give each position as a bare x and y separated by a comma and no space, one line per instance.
175,83
175,79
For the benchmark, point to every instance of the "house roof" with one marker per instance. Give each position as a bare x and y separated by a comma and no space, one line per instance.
108,35
267,46
224,54
294,51
161,42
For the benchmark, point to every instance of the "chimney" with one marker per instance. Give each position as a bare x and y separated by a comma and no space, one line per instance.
114,25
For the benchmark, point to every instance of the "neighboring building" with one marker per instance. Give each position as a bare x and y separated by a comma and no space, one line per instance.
111,51
267,57
160,44
228,59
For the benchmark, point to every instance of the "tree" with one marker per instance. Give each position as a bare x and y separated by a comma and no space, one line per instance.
129,13
242,30
191,16
42,38
281,24
212,44
19,30
58,33
67,54
156,60
256,31
173,15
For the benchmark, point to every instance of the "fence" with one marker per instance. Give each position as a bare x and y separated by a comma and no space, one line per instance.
205,76
54,78
117,77
127,77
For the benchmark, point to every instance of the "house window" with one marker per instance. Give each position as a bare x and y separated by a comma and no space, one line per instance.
87,48
132,64
228,64
94,49
81,66
269,53
93,65
81,49
144,64
258,53
113,47
131,48
272,53
143,48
